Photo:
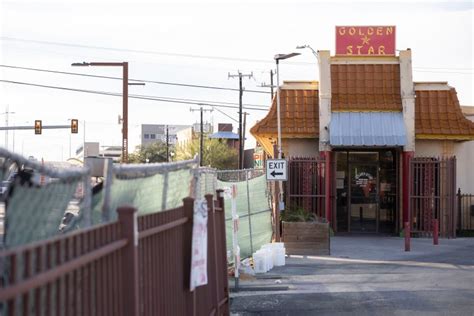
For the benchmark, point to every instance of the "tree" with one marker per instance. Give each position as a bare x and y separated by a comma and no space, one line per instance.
217,154
155,152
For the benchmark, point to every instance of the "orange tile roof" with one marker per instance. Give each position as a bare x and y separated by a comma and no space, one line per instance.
438,115
299,110
365,87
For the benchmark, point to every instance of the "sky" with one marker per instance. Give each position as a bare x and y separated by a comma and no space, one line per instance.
196,43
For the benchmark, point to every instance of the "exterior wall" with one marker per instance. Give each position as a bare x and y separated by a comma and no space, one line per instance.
301,147
152,133
408,98
185,136
465,172
92,150
464,152
324,99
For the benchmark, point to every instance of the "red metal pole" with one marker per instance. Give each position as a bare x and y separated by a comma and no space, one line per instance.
435,231
407,236
406,181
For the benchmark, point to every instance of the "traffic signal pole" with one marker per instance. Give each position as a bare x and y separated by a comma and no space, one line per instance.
10,128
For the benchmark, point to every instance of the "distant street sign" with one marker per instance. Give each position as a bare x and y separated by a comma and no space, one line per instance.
277,170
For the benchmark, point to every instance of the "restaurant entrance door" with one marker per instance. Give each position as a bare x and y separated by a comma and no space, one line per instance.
366,191
363,197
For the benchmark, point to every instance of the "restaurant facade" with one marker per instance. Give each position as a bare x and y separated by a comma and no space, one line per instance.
368,148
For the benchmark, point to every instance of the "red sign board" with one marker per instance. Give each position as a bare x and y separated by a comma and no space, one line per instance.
365,40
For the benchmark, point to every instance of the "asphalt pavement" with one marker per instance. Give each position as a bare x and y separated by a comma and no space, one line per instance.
367,275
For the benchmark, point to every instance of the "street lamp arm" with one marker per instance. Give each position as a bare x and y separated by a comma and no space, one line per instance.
85,64
285,56
113,64
124,66
315,53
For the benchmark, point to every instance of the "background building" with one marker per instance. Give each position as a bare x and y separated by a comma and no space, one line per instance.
152,133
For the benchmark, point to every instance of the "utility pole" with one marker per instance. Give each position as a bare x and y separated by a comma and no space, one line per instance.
7,113
271,86
241,92
243,137
271,83
167,144
202,132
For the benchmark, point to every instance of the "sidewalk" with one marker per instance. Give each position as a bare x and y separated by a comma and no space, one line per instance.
367,276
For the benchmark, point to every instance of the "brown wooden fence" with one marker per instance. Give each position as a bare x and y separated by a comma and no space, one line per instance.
433,195
305,186
134,266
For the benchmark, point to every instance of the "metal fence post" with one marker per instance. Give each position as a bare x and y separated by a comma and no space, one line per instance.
212,241
435,231
164,195
248,209
109,175
459,206
127,218
87,200
188,207
407,236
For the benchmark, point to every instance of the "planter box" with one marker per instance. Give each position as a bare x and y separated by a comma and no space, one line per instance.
306,238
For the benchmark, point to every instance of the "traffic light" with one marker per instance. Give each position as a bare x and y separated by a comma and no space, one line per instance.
38,127
74,126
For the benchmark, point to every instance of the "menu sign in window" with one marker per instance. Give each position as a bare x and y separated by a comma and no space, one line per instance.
365,40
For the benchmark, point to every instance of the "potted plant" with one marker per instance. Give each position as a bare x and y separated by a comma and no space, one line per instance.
304,233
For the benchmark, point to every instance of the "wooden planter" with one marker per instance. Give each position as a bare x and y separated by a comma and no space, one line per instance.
306,238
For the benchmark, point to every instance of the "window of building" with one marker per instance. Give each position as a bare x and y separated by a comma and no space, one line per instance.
152,136
147,136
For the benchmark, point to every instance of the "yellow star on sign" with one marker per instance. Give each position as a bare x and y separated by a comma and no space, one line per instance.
365,40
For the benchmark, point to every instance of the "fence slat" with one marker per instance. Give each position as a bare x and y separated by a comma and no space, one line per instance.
84,273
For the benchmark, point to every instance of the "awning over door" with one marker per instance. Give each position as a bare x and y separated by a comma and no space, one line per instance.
367,129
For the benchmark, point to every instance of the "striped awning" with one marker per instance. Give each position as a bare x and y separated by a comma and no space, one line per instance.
367,129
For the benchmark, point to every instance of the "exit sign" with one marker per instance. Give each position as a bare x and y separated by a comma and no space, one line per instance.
277,170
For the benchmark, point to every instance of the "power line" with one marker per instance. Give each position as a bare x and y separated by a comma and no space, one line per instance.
448,68
444,72
135,96
131,79
149,52
224,113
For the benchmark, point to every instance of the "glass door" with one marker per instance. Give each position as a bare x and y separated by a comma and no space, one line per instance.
363,197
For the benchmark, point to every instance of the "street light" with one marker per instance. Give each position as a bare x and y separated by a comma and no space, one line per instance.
315,53
125,84
277,58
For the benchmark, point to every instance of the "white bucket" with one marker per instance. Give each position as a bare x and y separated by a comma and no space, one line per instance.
277,248
280,257
260,265
267,255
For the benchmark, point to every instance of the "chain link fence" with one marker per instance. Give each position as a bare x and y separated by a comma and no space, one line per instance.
35,199
253,208
40,201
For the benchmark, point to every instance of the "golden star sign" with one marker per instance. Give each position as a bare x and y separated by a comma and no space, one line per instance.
365,40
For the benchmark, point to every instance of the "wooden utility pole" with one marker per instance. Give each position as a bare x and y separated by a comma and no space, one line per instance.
243,138
241,92
271,83
201,151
